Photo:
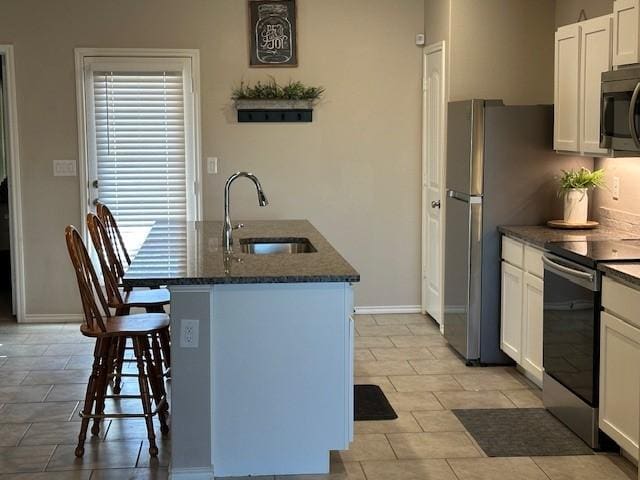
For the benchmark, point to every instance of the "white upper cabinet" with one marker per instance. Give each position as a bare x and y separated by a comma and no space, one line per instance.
566,92
582,54
626,17
595,58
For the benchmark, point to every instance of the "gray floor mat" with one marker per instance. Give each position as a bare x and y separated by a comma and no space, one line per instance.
520,432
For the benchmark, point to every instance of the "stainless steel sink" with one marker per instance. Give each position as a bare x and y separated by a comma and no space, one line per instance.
275,246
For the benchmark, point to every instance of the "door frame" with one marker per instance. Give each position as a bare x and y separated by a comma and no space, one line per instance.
83,165
14,183
429,49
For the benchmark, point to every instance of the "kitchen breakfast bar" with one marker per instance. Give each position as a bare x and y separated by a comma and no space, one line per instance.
262,347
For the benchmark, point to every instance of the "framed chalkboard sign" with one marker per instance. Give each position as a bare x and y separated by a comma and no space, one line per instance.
273,33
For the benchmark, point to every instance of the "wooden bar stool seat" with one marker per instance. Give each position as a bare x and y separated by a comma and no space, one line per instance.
111,332
158,298
129,325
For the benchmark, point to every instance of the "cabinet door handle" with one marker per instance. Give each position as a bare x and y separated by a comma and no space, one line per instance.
435,204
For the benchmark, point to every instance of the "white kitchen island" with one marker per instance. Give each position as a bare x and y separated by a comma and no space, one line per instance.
265,384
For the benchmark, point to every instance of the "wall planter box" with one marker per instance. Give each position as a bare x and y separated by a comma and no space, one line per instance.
274,110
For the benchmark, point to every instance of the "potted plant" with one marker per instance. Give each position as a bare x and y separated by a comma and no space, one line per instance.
574,188
271,95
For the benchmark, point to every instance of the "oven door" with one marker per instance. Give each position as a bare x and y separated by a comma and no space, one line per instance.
620,121
571,326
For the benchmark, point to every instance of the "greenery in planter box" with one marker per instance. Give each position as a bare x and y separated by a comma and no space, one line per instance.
271,90
581,178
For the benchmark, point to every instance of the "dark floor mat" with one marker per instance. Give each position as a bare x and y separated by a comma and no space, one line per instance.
371,404
521,432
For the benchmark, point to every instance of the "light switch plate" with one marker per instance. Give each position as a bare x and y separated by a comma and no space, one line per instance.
212,165
189,333
64,168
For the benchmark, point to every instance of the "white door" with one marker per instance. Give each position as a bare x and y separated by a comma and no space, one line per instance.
142,149
433,155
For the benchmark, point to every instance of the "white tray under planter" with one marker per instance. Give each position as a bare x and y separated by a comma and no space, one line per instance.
274,110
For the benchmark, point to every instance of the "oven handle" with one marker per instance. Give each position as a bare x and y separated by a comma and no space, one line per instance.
567,271
632,116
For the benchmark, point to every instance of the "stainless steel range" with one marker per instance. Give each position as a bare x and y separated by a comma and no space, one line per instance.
571,341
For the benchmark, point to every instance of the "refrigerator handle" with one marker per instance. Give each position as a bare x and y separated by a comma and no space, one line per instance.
465,197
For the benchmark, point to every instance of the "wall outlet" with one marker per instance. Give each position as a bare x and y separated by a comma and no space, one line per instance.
212,165
615,188
64,168
189,333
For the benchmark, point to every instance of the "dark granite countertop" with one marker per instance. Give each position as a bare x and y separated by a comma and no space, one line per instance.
628,273
538,235
203,260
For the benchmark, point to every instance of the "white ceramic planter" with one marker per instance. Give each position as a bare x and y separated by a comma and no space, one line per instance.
576,205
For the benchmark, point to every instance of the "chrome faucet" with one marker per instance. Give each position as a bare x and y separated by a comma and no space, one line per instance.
227,237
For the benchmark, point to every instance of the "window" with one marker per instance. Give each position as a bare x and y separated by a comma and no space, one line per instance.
141,152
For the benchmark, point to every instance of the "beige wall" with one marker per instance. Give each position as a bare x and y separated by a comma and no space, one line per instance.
568,11
354,172
436,20
628,171
502,49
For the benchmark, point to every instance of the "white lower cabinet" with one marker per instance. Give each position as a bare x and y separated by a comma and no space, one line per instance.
522,307
532,315
619,415
620,382
511,331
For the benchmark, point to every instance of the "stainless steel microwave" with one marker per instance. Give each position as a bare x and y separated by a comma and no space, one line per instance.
620,113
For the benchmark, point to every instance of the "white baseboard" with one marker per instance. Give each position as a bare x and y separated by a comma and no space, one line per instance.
53,318
373,310
201,473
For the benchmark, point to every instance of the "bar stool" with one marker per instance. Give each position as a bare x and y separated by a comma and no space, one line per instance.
123,300
108,330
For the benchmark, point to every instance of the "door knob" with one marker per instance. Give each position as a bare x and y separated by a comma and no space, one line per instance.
435,204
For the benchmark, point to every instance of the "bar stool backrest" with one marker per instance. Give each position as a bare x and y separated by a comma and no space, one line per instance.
109,262
94,304
110,224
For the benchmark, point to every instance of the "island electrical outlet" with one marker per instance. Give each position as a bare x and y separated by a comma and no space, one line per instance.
189,333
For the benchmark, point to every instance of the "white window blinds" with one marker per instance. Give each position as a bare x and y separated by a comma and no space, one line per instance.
141,152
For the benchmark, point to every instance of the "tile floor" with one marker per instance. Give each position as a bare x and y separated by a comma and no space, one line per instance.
43,372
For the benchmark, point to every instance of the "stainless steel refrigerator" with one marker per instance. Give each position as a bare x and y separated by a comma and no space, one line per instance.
500,170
